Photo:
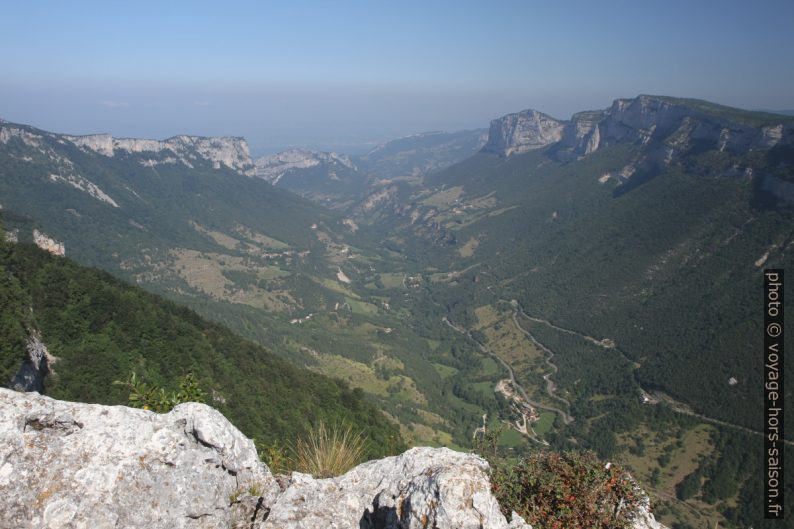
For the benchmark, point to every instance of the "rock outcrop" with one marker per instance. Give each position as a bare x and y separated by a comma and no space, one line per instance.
274,166
76,465
423,487
522,132
48,244
38,363
72,465
12,235
679,124
84,185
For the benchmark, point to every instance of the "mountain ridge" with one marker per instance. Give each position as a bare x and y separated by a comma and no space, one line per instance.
639,119
231,151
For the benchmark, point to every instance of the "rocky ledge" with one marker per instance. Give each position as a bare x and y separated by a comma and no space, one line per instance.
75,465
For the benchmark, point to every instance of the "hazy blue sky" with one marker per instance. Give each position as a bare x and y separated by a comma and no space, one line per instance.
336,72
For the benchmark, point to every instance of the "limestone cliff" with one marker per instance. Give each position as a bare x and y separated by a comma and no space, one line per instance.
675,125
232,152
72,465
582,134
522,132
680,123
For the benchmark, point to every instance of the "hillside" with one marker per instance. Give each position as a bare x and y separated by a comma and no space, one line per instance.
273,267
421,154
580,283
613,261
673,208
96,329
324,177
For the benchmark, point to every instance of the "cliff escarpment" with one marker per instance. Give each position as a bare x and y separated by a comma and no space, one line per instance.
678,124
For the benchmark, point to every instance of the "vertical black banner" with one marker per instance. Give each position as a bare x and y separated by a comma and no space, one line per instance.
773,394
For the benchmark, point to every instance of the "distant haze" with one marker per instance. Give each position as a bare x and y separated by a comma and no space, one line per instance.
351,74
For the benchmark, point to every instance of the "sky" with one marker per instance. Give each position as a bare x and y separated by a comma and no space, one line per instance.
345,74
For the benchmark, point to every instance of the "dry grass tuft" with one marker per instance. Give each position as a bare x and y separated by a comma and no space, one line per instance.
329,452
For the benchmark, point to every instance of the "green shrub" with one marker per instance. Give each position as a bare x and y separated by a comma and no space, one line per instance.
689,486
569,490
142,395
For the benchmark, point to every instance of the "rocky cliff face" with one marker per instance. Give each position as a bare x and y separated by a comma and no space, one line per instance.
232,152
274,166
582,134
522,132
71,465
677,124
647,118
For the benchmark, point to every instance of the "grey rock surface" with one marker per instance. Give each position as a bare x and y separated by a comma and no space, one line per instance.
88,466
74,465
522,132
423,487
31,375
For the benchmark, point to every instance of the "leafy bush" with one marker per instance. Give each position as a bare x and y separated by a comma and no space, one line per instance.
329,452
567,490
142,395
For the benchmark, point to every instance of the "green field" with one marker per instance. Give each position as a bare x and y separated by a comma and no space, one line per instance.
544,424
445,371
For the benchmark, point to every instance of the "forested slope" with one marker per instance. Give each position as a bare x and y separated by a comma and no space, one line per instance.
100,330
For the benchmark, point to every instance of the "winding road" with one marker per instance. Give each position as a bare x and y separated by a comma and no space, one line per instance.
567,419
608,344
550,387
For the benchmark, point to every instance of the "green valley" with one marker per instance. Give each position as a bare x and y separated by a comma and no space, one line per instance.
589,283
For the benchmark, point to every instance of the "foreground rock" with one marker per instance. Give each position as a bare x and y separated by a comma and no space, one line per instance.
424,487
77,465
